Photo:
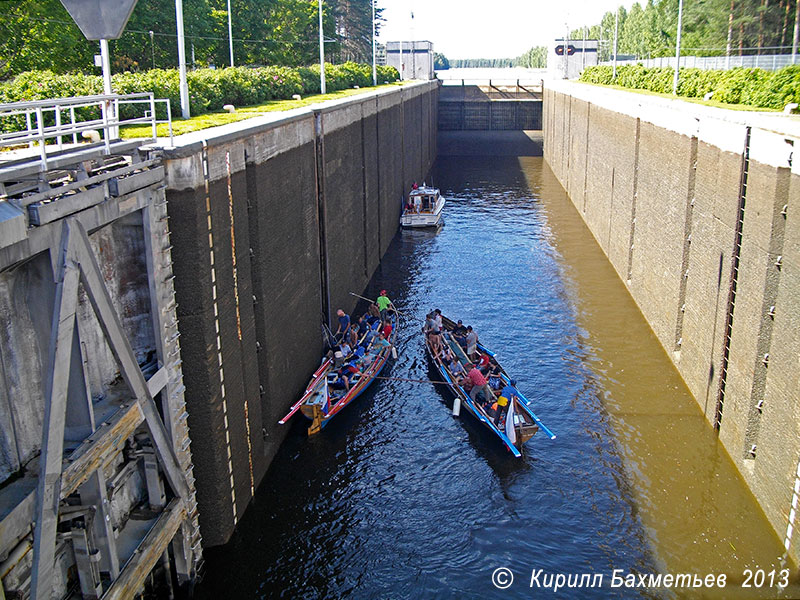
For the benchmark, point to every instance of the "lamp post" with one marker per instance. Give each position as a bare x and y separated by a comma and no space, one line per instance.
321,52
230,31
616,35
796,32
153,47
374,68
182,60
678,49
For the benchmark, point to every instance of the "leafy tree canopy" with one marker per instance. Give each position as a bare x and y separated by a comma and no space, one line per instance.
40,34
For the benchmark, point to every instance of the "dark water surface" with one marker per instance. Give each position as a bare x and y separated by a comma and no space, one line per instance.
397,499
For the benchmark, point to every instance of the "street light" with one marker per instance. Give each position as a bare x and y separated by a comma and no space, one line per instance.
230,31
678,49
321,52
374,68
182,60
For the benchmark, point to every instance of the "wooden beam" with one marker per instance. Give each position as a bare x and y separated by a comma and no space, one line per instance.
148,553
111,436
123,353
157,382
100,447
48,493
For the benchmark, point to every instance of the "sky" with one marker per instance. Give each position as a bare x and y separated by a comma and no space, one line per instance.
489,29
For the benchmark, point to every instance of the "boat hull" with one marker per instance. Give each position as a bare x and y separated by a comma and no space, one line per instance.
427,217
320,406
526,423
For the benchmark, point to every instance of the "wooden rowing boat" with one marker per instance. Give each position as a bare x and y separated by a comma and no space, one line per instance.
320,402
518,425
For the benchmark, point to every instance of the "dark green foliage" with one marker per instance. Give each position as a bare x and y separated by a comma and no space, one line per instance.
754,27
40,34
753,87
209,89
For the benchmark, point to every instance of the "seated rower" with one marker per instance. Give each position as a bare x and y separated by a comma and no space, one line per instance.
484,364
362,325
460,334
345,349
369,336
373,311
386,330
381,341
455,368
447,355
493,377
342,381
352,337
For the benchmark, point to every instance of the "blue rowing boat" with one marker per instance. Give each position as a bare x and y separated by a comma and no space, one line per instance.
518,425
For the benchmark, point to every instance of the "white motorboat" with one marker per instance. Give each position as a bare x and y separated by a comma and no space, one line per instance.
424,208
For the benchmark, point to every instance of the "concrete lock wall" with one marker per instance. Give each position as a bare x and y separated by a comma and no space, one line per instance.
695,208
274,222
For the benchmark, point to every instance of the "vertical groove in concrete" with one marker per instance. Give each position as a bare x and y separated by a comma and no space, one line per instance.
319,153
733,279
633,200
586,158
379,200
772,279
687,242
364,231
402,146
610,210
568,144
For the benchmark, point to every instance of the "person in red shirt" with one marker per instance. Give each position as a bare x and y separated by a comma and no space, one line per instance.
387,329
478,382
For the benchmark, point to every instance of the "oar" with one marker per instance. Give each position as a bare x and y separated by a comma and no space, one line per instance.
415,380
373,301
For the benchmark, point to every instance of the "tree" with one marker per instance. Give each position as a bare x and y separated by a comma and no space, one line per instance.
440,62
40,34
535,58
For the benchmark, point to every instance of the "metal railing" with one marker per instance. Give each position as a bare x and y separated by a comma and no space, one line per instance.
768,62
49,122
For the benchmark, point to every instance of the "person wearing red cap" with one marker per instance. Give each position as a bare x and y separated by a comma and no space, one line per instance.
384,304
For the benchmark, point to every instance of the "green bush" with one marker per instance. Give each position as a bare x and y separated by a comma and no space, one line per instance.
387,74
601,74
737,85
752,87
782,88
209,89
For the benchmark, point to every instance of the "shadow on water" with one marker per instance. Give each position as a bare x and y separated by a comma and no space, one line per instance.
398,499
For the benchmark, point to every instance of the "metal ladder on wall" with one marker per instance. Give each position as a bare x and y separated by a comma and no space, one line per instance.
733,281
